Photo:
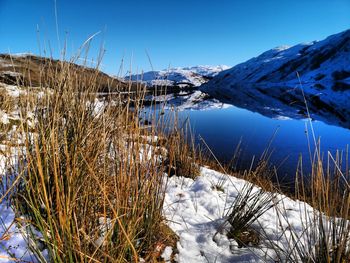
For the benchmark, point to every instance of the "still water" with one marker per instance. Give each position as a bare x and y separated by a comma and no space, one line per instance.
223,129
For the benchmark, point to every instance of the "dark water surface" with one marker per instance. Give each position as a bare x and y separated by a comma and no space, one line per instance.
223,129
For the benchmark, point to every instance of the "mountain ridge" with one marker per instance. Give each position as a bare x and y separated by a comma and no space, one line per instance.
193,76
282,79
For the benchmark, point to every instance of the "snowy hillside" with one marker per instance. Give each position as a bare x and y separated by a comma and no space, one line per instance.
188,76
269,83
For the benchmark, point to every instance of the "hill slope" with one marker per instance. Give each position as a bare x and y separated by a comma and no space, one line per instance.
269,84
30,70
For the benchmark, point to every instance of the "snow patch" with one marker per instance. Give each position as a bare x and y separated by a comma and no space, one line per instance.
195,210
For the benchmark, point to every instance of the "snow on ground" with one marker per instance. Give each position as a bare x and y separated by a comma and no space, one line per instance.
15,92
4,63
13,243
4,118
12,90
196,211
13,239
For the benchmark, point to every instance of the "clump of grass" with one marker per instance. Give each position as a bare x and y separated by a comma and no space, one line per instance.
325,233
7,103
184,157
329,195
250,203
90,186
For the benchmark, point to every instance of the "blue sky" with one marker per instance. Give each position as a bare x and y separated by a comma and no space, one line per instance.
173,33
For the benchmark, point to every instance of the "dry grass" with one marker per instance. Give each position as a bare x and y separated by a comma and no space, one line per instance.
328,193
88,182
326,231
7,102
183,157
249,205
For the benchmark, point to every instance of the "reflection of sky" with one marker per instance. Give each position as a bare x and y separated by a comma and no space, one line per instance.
223,128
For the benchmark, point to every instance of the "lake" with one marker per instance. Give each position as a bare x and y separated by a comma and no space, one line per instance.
223,129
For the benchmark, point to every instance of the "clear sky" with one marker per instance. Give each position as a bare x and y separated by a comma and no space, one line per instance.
173,33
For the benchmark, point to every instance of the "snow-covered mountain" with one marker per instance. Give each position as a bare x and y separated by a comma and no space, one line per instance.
186,77
269,83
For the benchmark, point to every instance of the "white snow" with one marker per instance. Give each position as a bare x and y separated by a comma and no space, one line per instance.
196,212
12,90
195,76
166,255
105,226
13,238
4,118
4,63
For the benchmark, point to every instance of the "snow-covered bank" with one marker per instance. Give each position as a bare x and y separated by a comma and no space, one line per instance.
196,211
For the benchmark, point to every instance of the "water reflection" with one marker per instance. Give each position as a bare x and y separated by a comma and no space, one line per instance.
223,129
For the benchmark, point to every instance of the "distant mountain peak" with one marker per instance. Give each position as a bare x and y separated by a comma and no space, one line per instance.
191,76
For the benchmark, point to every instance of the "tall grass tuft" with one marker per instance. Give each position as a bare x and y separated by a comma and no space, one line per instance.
250,203
328,234
325,233
183,155
91,186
